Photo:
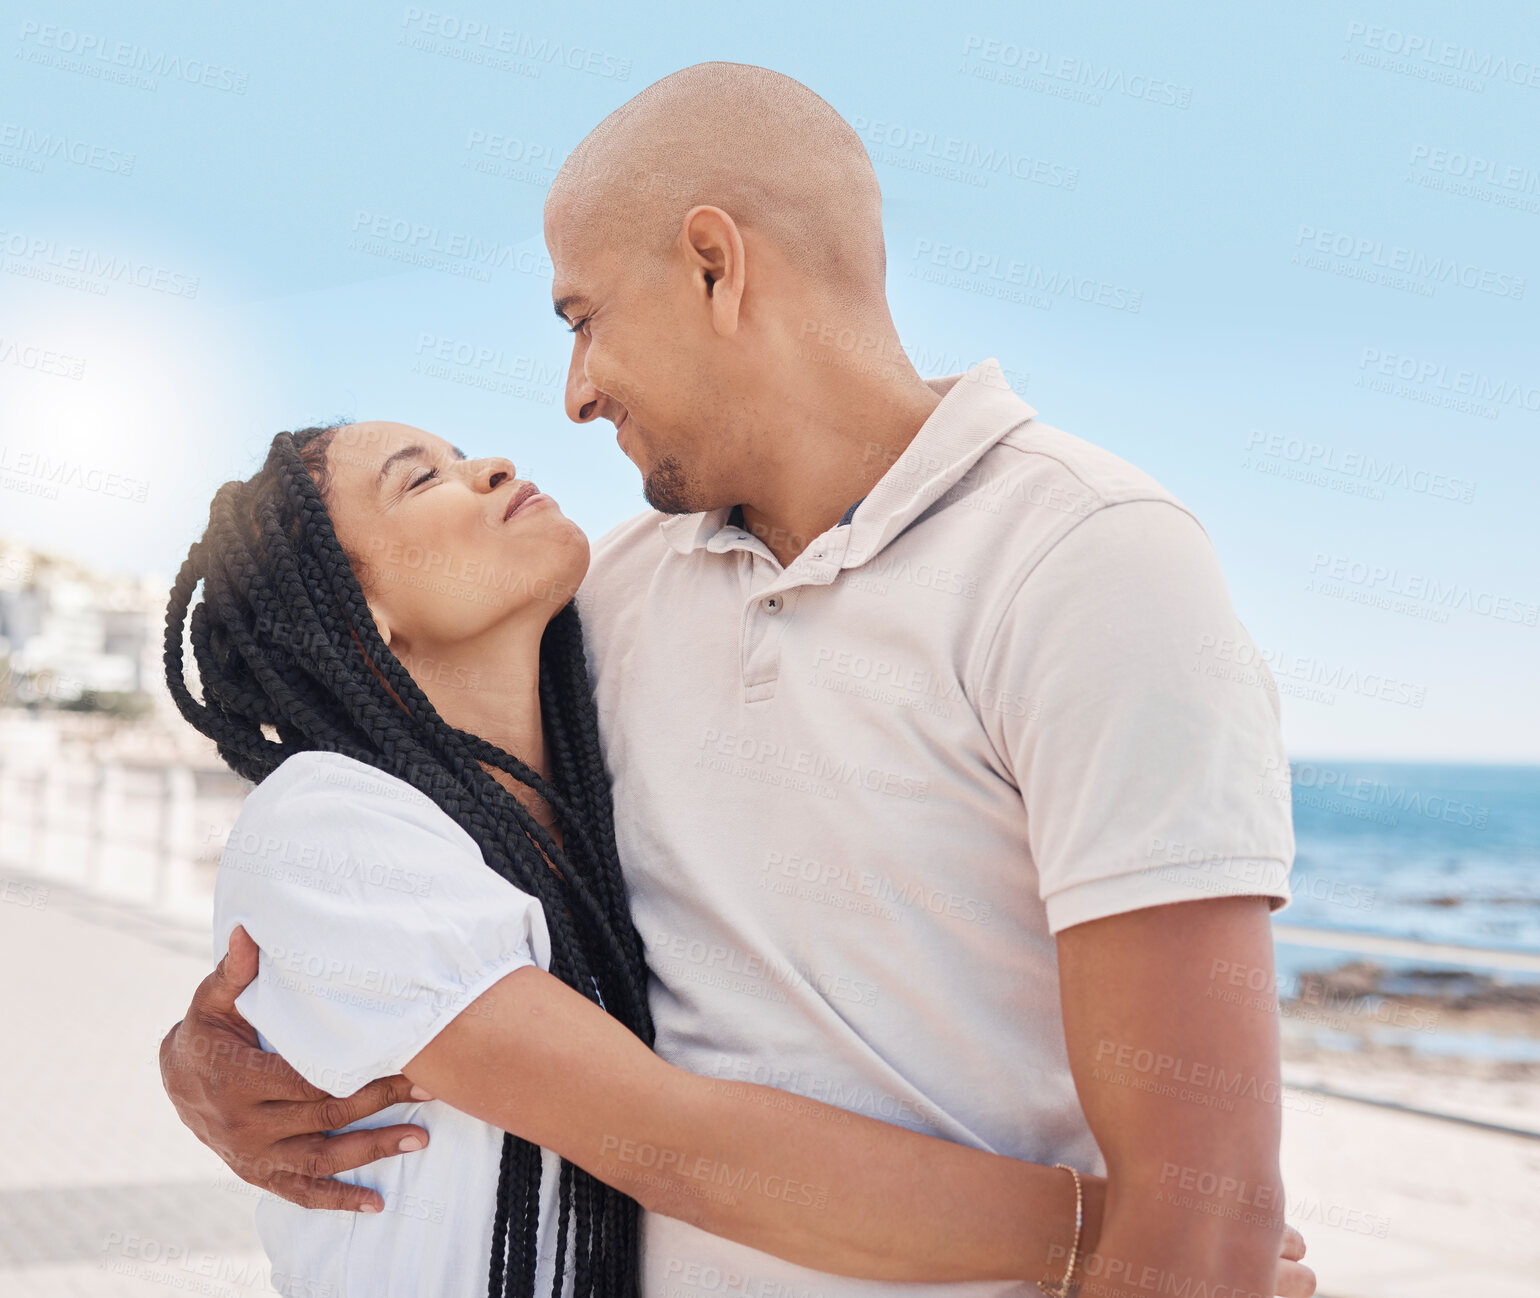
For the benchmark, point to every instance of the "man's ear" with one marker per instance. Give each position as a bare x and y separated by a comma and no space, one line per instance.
713,249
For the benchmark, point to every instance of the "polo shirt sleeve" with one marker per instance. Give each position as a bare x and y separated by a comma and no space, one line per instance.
1147,745
377,917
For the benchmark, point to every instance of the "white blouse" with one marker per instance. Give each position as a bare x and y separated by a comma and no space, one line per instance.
379,921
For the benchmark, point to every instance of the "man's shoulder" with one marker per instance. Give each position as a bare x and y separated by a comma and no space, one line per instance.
1038,484
1090,474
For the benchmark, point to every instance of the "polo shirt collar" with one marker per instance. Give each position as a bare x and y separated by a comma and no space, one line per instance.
735,516
687,532
977,409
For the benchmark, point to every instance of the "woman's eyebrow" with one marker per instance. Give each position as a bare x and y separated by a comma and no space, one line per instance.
405,453
410,453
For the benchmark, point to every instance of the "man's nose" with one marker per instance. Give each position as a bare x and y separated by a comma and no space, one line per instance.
584,402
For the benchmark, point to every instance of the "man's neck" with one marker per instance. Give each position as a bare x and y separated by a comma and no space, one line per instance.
842,437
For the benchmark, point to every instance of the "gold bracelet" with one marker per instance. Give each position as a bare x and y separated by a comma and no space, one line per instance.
1062,1289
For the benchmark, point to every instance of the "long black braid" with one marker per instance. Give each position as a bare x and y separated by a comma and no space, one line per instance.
289,660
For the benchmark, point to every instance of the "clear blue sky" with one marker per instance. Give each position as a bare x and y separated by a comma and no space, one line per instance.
1241,174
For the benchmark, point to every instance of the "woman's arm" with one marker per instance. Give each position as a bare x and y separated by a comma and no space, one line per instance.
813,1184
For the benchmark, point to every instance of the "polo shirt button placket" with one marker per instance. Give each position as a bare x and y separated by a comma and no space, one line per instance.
762,629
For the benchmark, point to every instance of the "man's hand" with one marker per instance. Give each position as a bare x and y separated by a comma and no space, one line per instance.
1294,1280
259,1115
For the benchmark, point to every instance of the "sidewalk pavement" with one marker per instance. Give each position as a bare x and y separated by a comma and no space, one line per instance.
1398,1205
103,1193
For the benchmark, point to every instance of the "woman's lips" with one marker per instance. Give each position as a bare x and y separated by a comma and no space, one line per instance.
522,497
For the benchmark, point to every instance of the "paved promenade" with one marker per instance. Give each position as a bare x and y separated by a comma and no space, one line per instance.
103,1193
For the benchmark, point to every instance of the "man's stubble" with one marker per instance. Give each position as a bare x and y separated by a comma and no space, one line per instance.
669,490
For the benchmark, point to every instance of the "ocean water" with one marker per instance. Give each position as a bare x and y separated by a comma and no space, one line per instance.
1437,853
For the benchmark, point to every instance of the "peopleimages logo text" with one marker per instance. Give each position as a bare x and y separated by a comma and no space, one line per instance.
965,155
1445,54
133,58
470,32
50,255
1409,261
1372,469
1079,72
429,240
49,145
981,266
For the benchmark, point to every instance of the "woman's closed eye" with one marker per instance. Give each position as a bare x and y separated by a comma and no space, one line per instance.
425,477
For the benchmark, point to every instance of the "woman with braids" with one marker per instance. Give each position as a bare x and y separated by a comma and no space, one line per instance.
384,643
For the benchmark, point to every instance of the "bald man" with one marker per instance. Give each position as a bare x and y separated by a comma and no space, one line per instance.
938,791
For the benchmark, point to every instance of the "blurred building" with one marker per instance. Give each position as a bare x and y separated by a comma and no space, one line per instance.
78,639
103,786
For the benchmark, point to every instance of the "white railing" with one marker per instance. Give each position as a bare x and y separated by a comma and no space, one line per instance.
149,835
1473,957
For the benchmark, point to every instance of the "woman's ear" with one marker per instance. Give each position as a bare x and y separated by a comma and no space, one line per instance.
380,620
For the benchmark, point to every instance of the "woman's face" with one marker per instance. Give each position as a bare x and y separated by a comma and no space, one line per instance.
447,548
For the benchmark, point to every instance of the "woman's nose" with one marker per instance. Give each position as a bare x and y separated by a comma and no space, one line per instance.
495,472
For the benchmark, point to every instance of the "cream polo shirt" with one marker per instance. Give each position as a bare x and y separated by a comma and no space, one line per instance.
856,797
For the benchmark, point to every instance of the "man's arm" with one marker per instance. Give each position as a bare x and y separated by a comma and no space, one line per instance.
1149,767
266,1121
1181,1089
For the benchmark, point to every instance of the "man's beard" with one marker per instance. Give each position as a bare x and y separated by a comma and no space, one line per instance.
669,490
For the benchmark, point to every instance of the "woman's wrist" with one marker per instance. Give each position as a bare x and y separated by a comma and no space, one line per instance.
1092,1192
1045,1203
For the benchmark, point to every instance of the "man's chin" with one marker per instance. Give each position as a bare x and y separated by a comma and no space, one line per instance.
669,490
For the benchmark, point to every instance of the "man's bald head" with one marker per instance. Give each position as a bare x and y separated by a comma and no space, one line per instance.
759,145
716,246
